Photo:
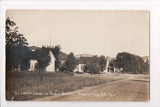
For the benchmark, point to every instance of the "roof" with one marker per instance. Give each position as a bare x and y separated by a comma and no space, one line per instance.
62,56
84,55
33,48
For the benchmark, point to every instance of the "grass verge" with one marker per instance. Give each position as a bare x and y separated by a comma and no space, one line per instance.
21,86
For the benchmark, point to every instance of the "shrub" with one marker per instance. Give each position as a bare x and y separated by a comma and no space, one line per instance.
92,68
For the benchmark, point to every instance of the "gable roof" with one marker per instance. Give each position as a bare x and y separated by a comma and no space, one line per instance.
52,55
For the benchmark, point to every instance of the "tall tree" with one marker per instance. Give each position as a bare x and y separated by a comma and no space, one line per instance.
70,63
43,58
16,47
102,63
13,37
130,63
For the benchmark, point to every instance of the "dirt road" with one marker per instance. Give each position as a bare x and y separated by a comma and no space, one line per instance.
129,89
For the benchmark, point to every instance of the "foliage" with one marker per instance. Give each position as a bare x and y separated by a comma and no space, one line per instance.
56,52
99,64
17,54
70,63
102,63
147,66
112,65
87,60
43,58
92,68
129,62
51,83
13,37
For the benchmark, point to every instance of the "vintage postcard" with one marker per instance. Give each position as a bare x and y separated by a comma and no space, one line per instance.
77,55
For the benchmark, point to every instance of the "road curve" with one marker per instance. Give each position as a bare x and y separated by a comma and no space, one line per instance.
121,90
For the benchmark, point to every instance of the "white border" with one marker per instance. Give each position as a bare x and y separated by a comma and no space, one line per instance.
152,6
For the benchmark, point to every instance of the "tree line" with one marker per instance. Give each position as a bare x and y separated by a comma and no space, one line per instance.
93,65
130,63
18,56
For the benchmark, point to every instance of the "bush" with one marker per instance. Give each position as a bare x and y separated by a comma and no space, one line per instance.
92,68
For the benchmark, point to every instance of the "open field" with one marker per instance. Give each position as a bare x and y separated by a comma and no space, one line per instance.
77,87
29,85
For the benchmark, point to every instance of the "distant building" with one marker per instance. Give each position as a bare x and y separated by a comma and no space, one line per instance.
82,60
145,58
79,68
107,65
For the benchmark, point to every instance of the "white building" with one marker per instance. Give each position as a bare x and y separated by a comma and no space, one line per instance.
51,66
107,65
79,68
145,59
32,65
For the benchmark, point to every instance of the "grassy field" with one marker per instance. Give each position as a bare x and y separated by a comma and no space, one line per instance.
29,85
21,86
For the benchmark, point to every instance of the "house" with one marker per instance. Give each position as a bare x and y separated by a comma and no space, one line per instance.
34,62
51,66
62,57
33,48
32,65
82,60
79,68
111,69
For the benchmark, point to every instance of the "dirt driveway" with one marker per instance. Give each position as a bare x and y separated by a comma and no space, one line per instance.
130,88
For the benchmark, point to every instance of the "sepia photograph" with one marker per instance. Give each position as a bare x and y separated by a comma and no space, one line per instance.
77,55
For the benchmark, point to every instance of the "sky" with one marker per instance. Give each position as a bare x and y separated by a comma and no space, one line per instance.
95,32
